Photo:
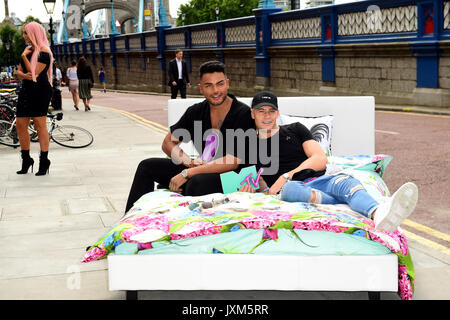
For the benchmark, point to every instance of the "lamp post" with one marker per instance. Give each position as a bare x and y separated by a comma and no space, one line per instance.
217,13
49,7
183,16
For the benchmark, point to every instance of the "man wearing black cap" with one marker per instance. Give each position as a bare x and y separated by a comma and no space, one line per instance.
283,151
300,172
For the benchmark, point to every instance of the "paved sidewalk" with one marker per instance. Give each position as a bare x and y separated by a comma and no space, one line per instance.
47,222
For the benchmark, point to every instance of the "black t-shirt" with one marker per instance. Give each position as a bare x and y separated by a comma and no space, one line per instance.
195,125
283,151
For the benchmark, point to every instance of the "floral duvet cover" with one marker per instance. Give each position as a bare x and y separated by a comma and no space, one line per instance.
160,219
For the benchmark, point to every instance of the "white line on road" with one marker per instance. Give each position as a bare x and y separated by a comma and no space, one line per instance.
388,132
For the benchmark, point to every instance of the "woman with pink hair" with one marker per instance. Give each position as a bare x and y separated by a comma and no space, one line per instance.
35,71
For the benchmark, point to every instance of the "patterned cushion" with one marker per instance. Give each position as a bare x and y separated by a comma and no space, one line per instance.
320,127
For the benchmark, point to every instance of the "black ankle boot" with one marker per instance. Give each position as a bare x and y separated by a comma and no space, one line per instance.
27,162
44,164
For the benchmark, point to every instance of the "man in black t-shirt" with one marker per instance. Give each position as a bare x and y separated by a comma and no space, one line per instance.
284,152
220,114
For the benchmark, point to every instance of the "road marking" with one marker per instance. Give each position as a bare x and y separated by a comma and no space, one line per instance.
416,114
145,123
408,108
427,230
426,242
388,132
151,124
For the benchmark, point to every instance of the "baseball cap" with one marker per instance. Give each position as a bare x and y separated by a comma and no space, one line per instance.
264,98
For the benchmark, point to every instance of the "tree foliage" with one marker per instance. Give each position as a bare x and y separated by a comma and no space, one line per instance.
12,36
30,19
8,37
200,11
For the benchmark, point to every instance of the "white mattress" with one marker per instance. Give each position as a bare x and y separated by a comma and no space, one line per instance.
250,272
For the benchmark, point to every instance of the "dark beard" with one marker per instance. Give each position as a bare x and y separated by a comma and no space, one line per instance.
217,104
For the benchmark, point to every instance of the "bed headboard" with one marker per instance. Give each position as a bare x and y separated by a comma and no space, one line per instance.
353,123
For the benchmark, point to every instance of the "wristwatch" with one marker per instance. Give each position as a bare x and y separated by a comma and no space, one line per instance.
184,174
286,176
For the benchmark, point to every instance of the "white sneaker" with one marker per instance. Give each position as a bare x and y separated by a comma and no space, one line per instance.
391,213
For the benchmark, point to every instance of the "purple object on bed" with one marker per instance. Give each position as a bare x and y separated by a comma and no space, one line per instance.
210,148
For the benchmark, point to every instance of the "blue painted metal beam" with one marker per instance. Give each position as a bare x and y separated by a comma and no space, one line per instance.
62,32
113,21
141,16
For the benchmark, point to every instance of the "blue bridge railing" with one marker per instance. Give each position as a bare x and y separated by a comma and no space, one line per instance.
423,24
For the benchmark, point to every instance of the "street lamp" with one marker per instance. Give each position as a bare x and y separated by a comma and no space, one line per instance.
49,7
183,16
217,13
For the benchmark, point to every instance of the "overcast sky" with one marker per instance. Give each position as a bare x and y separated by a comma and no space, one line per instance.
24,8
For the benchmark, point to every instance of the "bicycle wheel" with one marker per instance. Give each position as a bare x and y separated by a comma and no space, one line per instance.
7,113
8,134
33,132
71,136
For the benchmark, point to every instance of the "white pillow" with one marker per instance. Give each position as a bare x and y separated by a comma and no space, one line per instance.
320,127
189,149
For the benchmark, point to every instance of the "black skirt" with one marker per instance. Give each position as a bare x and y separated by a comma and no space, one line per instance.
34,99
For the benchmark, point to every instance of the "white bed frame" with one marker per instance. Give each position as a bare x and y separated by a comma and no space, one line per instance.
353,134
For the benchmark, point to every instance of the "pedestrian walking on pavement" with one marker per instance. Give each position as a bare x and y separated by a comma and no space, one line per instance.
86,82
102,78
178,75
72,80
35,71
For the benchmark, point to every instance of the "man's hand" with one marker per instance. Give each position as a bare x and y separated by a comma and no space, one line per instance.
176,182
174,83
262,186
277,186
198,162
247,188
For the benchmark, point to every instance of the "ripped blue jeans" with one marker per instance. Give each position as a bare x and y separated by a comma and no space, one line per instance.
331,189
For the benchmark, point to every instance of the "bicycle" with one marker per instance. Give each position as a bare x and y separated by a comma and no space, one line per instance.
7,113
65,135
8,133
